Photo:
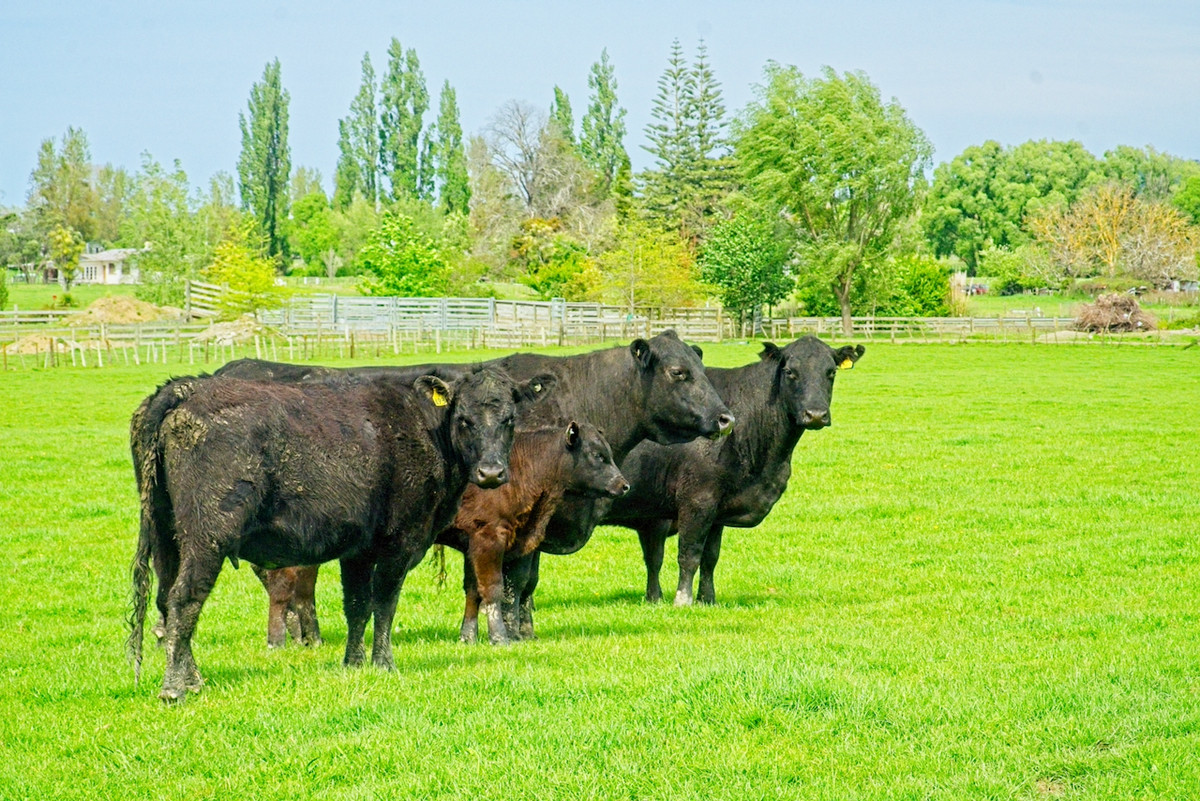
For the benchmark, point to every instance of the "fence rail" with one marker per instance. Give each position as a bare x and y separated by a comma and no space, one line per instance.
326,326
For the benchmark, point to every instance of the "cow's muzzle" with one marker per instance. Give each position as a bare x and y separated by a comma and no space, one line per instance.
618,487
812,419
724,426
490,475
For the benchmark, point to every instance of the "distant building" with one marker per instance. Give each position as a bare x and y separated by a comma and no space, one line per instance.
107,267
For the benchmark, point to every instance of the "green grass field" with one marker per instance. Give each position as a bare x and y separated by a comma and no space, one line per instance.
983,582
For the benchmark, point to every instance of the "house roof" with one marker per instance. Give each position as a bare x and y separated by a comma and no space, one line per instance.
115,254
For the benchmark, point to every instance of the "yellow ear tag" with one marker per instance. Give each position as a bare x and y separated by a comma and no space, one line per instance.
846,364
439,398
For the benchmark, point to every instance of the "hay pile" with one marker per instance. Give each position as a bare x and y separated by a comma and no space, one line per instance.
121,309
1114,313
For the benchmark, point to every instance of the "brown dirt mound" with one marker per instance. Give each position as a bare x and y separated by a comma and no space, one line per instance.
121,309
240,331
40,343
1114,313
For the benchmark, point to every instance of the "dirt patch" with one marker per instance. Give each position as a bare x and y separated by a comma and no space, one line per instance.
40,343
239,331
122,309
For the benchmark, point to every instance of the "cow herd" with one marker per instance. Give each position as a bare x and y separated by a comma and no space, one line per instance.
287,467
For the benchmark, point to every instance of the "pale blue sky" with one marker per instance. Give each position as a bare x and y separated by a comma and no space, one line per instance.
170,77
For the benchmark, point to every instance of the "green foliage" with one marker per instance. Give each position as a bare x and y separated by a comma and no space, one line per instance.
550,263
403,102
449,156
845,167
400,260
163,222
1010,270
313,233
240,264
983,196
1187,199
745,258
562,117
921,288
3,287
65,247
647,266
601,142
61,188
265,162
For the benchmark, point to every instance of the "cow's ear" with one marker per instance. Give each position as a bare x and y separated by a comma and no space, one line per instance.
535,388
699,352
770,351
573,438
434,388
642,354
847,355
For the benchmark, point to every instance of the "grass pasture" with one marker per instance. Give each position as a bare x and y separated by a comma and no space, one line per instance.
982,583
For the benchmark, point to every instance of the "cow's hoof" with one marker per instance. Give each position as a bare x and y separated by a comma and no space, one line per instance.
172,695
312,642
683,600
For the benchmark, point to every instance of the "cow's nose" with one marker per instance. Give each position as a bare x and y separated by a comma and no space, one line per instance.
490,475
725,423
815,418
619,488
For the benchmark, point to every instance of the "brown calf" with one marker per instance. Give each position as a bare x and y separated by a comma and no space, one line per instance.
510,522
293,594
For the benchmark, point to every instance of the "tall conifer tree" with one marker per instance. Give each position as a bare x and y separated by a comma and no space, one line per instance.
403,102
265,163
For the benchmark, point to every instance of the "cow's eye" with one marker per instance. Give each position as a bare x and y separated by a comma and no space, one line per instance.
678,373
791,374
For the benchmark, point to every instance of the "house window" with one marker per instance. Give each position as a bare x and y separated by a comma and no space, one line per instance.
89,272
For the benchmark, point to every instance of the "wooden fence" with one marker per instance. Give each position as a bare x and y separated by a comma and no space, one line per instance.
328,326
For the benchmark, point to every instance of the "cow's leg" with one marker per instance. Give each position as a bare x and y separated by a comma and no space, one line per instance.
516,578
197,575
525,608
281,588
469,631
708,563
487,560
653,537
306,605
356,600
694,525
166,568
385,592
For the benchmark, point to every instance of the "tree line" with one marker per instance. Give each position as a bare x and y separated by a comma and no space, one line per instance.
818,193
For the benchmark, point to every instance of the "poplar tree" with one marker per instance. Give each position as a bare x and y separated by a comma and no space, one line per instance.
345,177
363,130
562,117
265,163
403,102
449,157
603,129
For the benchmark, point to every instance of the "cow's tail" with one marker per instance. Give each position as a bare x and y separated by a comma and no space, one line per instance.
144,443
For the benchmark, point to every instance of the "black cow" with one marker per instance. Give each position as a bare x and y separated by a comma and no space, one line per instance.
654,389
699,488
366,471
